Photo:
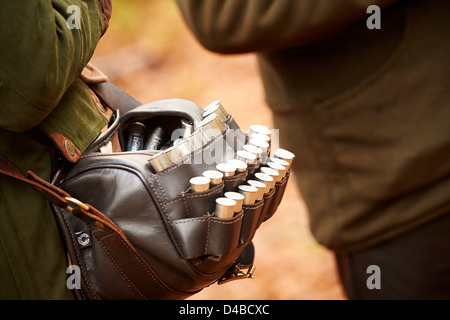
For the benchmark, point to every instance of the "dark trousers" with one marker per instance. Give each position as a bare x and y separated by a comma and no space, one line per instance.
413,266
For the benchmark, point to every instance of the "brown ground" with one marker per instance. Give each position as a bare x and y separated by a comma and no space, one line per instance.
149,53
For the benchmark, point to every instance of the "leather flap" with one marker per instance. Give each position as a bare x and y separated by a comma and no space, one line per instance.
207,235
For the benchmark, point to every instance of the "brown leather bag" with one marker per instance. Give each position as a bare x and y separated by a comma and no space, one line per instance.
136,231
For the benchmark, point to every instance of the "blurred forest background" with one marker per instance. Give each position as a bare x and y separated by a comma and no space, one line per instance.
149,52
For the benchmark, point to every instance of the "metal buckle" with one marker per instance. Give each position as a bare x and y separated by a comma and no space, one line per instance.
76,202
236,272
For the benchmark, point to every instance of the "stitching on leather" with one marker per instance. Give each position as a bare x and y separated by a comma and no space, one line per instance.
249,207
282,182
185,205
161,188
164,212
205,219
235,177
207,237
190,196
149,272
158,198
79,258
154,190
116,266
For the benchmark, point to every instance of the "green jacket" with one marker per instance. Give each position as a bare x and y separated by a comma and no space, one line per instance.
41,61
366,111
44,106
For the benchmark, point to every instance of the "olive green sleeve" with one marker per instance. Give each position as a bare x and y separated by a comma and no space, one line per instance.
41,56
238,26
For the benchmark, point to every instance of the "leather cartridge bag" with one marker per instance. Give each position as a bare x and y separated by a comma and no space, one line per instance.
130,220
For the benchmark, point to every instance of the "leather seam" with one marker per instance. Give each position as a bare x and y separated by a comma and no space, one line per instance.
190,196
207,236
149,272
117,267
185,205
247,207
208,219
79,258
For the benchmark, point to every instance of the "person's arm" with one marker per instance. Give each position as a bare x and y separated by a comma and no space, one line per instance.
40,56
238,26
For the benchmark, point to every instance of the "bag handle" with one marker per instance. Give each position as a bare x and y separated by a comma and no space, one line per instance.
125,108
115,98
169,107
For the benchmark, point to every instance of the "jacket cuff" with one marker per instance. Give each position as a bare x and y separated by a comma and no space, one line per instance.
66,147
92,75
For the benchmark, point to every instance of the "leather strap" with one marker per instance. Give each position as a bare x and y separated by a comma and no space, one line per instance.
114,97
117,99
55,195
48,191
135,265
